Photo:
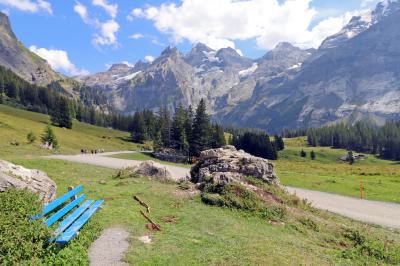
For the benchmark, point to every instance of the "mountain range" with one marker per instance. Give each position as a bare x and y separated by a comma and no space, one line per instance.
354,74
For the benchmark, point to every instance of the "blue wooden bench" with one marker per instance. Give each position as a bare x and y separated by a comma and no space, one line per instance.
68,228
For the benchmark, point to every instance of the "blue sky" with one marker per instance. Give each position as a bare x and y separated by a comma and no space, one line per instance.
86,36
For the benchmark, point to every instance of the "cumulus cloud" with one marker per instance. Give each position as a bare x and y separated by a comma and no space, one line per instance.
111,9
107,34
149,58
58,60
28,5
220,23
136,36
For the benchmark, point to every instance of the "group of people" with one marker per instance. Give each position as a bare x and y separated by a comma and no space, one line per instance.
96,151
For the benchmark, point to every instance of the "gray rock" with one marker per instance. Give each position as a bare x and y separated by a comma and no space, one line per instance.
154,170
15,176
227,165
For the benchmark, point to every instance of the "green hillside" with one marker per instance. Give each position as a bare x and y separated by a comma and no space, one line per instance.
15,124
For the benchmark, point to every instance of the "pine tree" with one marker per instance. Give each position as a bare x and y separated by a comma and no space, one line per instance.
61,115
1,90
138,133
312,155
218,137
303,154
278,142
49,137
201,130
165,127
179,139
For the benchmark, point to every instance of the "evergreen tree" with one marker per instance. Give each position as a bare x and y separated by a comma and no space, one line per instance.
165,127
350,157
218,137
138,132
61,115
49,137
1,90
278,142
179,139
303,154
312,155
201,130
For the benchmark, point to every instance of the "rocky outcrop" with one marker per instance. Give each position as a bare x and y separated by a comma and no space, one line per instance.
15,176
154,170
226,165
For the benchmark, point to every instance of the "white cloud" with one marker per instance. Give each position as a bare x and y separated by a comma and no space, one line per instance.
149,58
82,12
28,5
136,36
108,31
58,60
128,63
220,23
107,34
111,10
369,3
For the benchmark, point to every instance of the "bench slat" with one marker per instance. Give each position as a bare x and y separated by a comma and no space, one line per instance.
50,221
71,231
71,218
54,204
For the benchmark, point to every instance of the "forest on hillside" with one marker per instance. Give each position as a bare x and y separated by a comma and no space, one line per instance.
363,137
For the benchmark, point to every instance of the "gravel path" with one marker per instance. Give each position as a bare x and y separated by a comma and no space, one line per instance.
381,213
101,159
109,248
374,212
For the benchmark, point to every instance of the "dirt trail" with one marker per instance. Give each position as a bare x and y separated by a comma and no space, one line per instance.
109,248
101,159
374,212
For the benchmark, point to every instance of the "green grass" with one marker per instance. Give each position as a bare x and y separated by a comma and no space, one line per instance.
205,235
15,124
140,156
381,178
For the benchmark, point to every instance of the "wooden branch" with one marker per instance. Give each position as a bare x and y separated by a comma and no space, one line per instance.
141,202
150,221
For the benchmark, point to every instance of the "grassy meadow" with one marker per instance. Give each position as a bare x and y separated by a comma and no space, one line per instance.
380,178
203,234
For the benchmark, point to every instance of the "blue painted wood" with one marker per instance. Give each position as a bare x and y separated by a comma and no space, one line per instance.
74,228
71,218
50,221
54,204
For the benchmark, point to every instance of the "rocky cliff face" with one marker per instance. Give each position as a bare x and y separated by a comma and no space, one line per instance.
16,57
354,73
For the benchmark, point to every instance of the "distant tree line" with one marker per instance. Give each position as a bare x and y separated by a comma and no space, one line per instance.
360,137
257,143
186,132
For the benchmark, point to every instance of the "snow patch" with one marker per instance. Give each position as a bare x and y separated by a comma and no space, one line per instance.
248,71
129,77
295,66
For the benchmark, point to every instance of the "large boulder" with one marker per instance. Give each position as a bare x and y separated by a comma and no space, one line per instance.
15,176
154,170
228,165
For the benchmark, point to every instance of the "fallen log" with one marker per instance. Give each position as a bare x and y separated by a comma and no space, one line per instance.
150,221
141,202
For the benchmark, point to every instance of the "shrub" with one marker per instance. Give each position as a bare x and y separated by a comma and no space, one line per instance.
31,138
22,241
129,172
49,137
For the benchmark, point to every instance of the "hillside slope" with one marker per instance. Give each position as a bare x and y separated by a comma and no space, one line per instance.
16,57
